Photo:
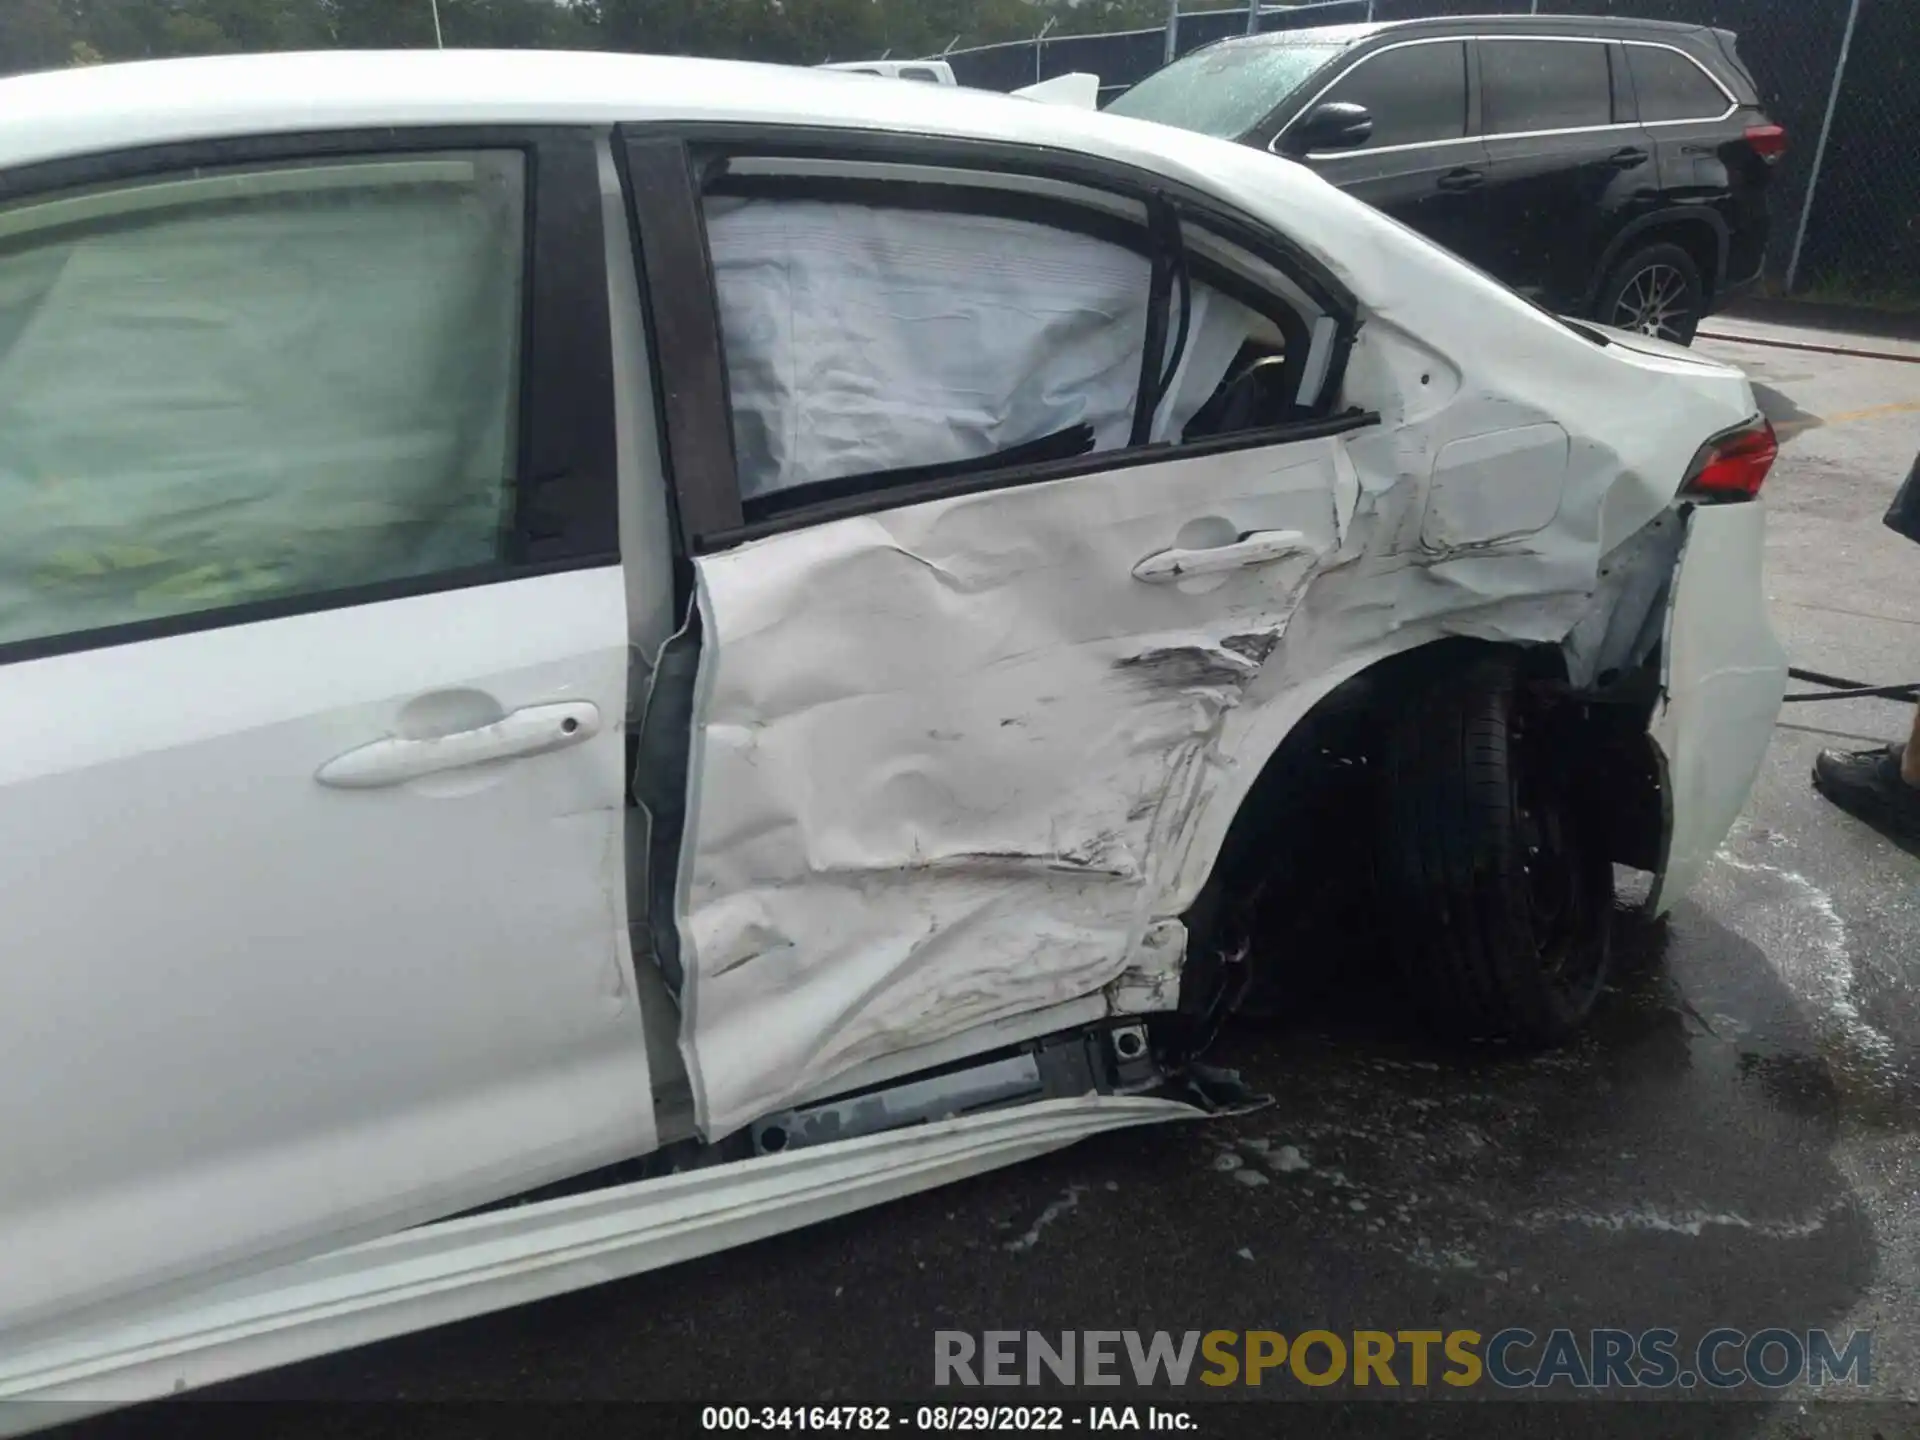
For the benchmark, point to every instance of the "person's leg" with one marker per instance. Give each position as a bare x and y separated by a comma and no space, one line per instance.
1881,786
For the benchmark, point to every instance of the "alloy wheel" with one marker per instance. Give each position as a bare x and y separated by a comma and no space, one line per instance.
1655,302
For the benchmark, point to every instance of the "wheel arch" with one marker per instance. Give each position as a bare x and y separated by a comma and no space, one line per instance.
1700,231
1604,728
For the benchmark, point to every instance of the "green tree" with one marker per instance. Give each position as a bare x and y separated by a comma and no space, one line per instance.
35,35
44,33
515,25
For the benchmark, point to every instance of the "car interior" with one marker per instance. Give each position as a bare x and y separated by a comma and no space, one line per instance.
876,334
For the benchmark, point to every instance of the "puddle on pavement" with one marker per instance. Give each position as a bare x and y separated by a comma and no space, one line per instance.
1705,1098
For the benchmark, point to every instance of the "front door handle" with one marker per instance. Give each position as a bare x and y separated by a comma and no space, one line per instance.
1464,178
1628,158
1259,548
397,759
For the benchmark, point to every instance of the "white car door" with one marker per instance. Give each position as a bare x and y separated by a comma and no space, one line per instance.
953,715
312,690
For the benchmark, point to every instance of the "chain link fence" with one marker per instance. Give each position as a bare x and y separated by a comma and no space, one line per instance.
1843,77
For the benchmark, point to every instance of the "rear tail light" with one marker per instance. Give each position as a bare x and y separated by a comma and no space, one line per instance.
1769,142
1733,465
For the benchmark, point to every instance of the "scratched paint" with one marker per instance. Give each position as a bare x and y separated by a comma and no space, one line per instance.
956,762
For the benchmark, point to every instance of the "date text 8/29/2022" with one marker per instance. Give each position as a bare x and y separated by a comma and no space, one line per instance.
937,1419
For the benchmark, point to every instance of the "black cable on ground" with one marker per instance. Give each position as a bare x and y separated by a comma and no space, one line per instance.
1841,688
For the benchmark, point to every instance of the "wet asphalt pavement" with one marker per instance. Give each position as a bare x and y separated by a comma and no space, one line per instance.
1735,1143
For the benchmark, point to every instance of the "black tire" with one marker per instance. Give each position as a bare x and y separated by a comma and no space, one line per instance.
1499,902
1656,291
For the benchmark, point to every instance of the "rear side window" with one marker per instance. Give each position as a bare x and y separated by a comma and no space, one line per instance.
869,346
1672,87
219,387
1528,85
1417,93
862,340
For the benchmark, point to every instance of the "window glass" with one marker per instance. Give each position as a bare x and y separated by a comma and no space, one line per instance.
862,340
1224,90
1672,87
247,385
1528,85
919,73
1417,93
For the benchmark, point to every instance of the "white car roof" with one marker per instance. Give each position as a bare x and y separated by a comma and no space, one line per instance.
87,109
92,109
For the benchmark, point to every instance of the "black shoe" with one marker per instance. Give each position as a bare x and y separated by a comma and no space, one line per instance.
1867,783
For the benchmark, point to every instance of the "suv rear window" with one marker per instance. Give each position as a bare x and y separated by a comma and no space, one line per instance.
1417,93
1224,90
1672,87
1528,85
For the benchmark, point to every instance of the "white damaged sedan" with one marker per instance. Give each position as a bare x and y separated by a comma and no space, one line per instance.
602,657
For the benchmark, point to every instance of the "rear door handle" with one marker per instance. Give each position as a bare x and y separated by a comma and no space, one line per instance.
1262,546
396,759
1464,178
1628,158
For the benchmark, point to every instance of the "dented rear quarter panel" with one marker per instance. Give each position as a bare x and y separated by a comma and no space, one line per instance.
955,764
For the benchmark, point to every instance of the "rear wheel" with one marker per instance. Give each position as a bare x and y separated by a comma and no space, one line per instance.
1656,291
1499,895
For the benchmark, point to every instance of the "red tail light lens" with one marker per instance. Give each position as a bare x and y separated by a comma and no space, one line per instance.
1769,142
1733,466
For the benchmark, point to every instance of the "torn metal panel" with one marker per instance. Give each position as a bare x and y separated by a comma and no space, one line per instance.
958,760
1626,615
1634,421
1150,984
943,748
666,739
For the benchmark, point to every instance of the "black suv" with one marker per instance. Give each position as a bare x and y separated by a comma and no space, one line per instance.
1612,169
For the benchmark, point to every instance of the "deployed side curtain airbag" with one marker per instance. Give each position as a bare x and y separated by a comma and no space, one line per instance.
236,387
862,340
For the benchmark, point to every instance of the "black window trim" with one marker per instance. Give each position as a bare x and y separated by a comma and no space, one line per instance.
707,487
1603,43
1475,135
1472,136
1470,69
867,502
565,494
1733,103
1626,103
1035,161
682,321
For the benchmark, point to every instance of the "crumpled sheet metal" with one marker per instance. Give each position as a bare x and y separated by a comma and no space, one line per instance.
956,762
944,752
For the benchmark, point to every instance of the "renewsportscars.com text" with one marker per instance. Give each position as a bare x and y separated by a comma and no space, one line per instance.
1509,1359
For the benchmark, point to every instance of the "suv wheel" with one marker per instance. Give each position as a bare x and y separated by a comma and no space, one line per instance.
1499,896
1655,291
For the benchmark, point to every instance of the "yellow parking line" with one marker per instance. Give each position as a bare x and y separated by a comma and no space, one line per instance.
1872,412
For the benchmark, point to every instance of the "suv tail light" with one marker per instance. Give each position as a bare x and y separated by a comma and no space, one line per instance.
1733,464
1769,142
